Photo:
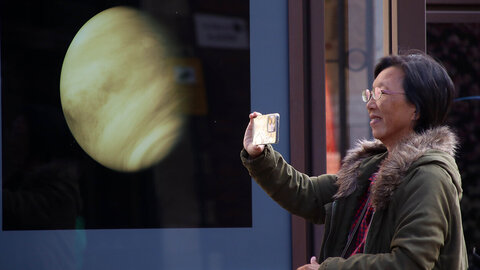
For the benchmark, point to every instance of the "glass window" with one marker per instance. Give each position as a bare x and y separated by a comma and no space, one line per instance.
353,44
207,214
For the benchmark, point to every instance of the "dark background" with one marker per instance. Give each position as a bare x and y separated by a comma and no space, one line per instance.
455,45
49,182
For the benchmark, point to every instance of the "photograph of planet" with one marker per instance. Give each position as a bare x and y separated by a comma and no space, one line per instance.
117,92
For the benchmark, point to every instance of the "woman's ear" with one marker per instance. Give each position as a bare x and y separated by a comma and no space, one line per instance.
416,115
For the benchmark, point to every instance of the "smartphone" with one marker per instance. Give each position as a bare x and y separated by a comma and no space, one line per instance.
266,129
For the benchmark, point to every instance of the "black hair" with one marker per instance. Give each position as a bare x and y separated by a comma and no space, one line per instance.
427,85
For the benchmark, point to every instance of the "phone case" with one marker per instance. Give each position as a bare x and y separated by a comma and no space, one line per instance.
266,129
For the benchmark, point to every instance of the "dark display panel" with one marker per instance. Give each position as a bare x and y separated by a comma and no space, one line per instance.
50,181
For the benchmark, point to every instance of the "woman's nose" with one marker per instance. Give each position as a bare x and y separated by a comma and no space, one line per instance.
371,104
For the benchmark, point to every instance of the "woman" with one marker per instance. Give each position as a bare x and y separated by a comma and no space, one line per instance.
394,204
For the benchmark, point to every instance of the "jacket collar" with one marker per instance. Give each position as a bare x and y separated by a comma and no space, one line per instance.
395,166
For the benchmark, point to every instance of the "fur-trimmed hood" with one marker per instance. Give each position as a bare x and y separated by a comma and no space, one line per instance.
396,165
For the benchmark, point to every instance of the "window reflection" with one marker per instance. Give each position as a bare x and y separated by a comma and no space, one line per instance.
353,43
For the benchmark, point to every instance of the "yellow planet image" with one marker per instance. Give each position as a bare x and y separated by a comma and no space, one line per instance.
117,90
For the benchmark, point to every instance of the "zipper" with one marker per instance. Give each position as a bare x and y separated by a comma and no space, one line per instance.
368,233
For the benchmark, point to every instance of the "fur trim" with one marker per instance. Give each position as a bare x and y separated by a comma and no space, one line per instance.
395,167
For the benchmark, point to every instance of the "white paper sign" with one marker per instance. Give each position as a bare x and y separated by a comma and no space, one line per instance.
221,32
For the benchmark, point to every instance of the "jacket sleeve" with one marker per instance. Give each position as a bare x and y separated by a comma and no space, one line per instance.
297,192
423,212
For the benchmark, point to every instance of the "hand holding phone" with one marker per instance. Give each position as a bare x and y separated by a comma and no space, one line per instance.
266,129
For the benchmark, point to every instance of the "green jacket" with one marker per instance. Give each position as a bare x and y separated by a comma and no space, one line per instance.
417,220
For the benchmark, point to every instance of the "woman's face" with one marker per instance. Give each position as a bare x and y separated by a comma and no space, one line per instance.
392,117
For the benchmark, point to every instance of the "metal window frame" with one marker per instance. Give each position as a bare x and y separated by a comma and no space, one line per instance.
307,114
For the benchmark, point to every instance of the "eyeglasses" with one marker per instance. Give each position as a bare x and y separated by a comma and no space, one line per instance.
376,94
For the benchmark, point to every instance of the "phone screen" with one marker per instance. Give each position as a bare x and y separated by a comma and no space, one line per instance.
266,129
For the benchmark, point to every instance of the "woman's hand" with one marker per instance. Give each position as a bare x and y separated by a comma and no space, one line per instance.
312,266
252,150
